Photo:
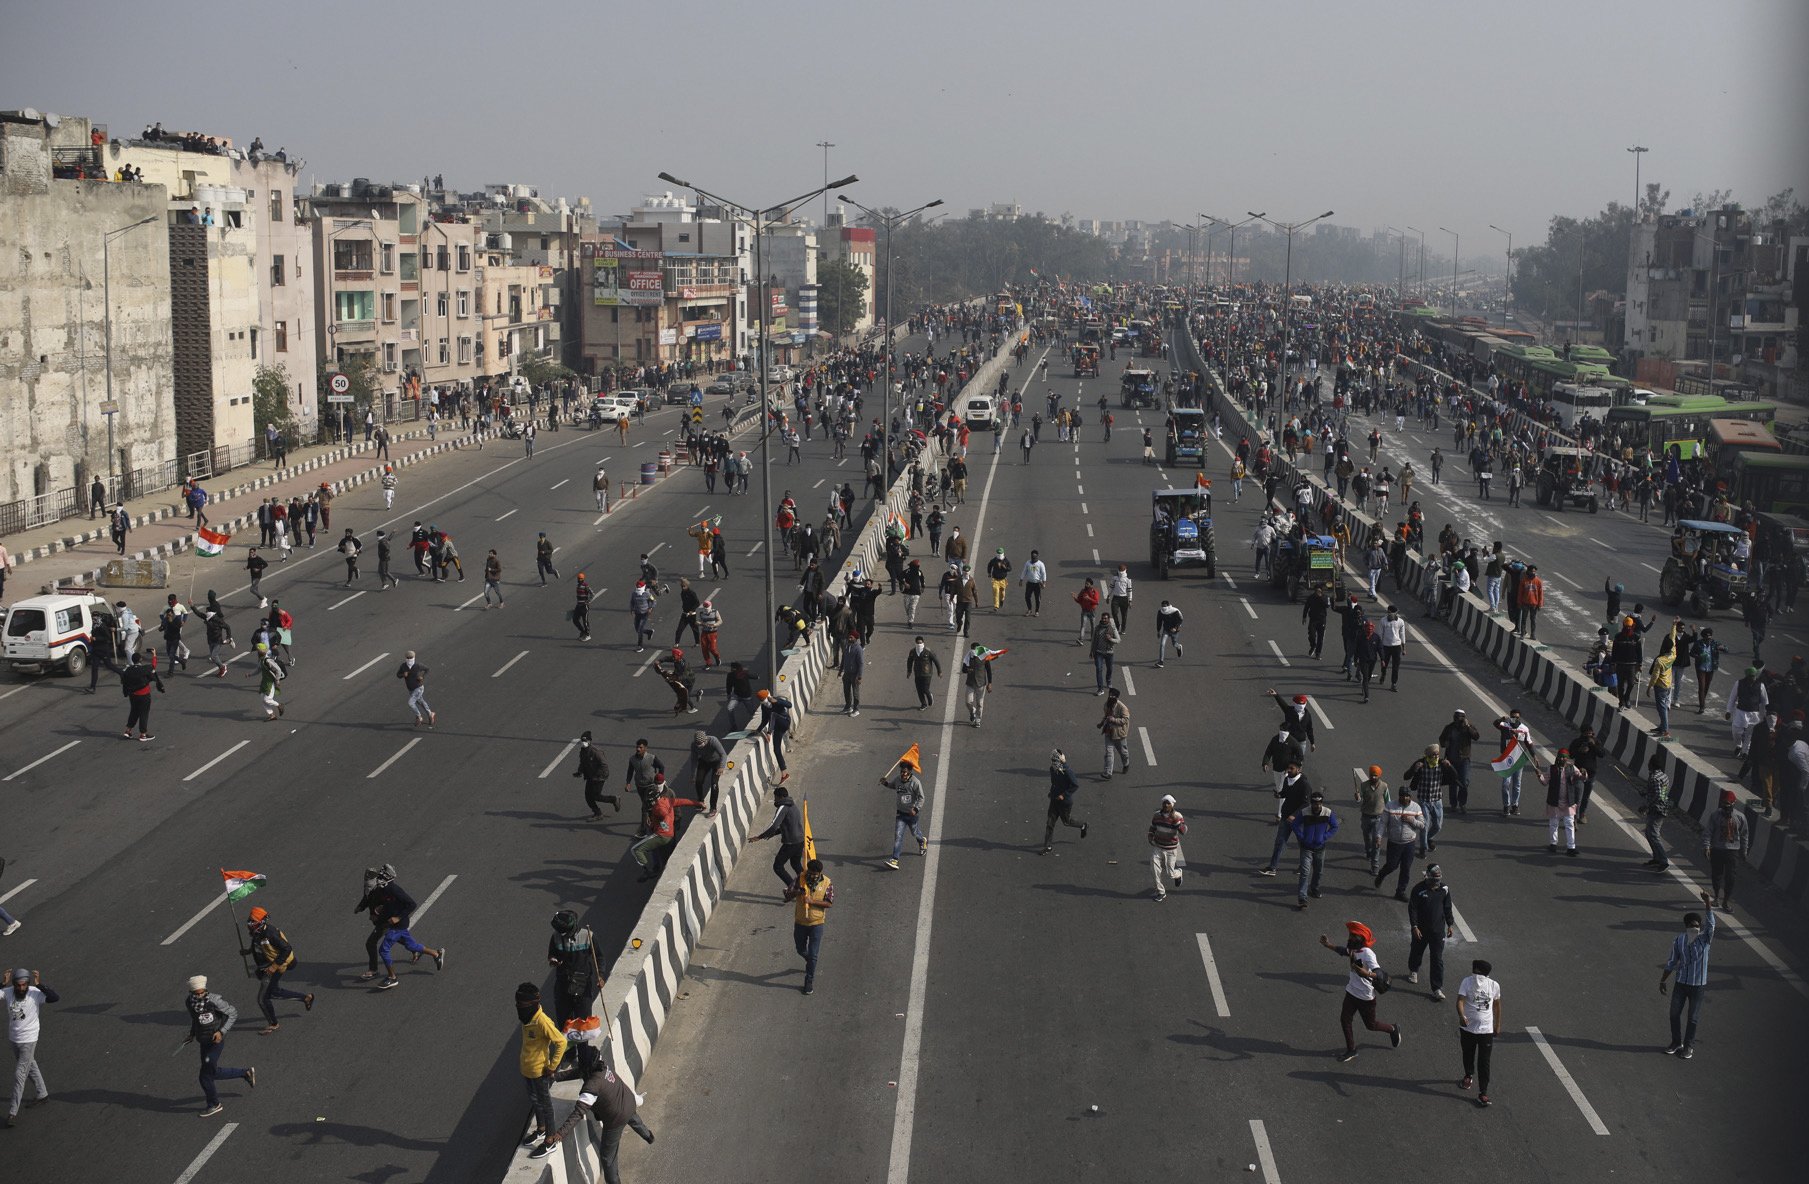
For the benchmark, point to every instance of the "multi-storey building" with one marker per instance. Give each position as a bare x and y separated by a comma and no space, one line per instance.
86,383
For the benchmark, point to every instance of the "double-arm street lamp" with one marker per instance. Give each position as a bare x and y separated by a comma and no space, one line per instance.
112,408
1456,246
1507,286
1420,286
1287,290
888,223
761,218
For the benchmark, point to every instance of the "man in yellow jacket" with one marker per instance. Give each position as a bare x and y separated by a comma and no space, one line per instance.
812,894
542,1048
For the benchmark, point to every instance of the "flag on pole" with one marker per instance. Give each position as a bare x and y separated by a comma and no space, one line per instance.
987,654
239,885
913,756
1513,758
211,542
1202,481
810,840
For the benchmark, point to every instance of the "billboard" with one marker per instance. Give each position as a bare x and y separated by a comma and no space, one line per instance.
620,277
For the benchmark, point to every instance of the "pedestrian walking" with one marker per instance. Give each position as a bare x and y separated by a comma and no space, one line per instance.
349,546
976,677
389,486
1292,793
26,998
1121,593
386,579
1166,861
1516,758
1372,799
594,768
1106,636
271,674
210,1018
1115,726
907,788
1689,962
1455,740
1168,631
1430,776
1361,989
1431,915
1312,828
580,614
1657,807
1034,575
391,910
255,565
787,826
493,580
275,957
1402,824
599,484
1063,785
854,668
605,1097
543,558
812,895
921,665
135,683
1563,795
542,1048
641,603
1088,600
1478,1020
1725,840
414,677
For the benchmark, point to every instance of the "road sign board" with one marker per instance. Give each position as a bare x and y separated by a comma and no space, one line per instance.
339,398
697,398
340,384
109,407
697,415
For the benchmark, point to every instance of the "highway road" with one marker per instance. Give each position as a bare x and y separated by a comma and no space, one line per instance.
972,1008
114,846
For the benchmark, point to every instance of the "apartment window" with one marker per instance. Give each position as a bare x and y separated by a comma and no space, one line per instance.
445,352
543,242
276,206
613,317
464,257
352,254
411,266
406,216
389,258
277,279
444,258
254,345
684,238
464,302
282,337
464,350
389,306
441,304
354,306
498,309
389,353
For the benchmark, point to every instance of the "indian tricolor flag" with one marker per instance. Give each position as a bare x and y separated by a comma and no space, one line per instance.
239,885
211,542
1513,758
987,654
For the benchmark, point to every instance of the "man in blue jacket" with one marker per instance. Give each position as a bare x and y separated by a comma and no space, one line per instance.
1313,828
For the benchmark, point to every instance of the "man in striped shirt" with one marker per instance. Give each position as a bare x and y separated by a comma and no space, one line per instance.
1165,831
1689,961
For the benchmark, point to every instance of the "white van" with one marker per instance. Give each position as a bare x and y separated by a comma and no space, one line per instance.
979,411
53,631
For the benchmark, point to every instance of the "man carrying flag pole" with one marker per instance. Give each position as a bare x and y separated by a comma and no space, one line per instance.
209,544
1516,757
239,885
909,790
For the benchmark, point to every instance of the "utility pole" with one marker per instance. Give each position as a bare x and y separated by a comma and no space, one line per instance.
825,145
1637,151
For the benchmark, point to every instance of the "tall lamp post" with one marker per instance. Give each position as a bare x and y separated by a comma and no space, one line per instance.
761,218
1400,282
1230,268
1287,290
1420,284
1638,150
1507,285
1456,246
889,223
112,408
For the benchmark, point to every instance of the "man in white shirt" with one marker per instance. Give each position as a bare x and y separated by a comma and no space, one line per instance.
25,999
1033,577
1478,1019
1360,988
1402,824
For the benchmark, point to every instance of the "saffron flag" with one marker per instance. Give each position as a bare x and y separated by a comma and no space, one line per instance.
810,840
1513,758
211,542
913,756
239,885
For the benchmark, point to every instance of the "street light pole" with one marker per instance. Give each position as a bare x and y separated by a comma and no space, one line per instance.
1507,284
758,218
825,145
1638,151
889,223
1400,282
1287,288
107,332
1456,247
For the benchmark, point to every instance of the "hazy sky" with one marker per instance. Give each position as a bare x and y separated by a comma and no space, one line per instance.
1414,112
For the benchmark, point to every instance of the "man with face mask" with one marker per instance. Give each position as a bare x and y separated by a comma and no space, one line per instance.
1391,631
1063,785
1726,839
812,895
595,770
1360,988
542,1048
414,677
1689,962
921,664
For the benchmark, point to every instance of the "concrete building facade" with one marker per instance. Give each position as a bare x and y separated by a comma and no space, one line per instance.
54,299
214,282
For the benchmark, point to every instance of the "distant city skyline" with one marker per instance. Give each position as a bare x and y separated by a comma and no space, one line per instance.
1414,115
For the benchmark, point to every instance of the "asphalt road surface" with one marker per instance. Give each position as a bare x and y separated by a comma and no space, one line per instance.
972,1008
115,847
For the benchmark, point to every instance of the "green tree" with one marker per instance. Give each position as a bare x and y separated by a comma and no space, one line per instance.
540,371
270,400
841,296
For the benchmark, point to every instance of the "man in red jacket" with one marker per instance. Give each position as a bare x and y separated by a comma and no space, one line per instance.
1088,599
660,819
